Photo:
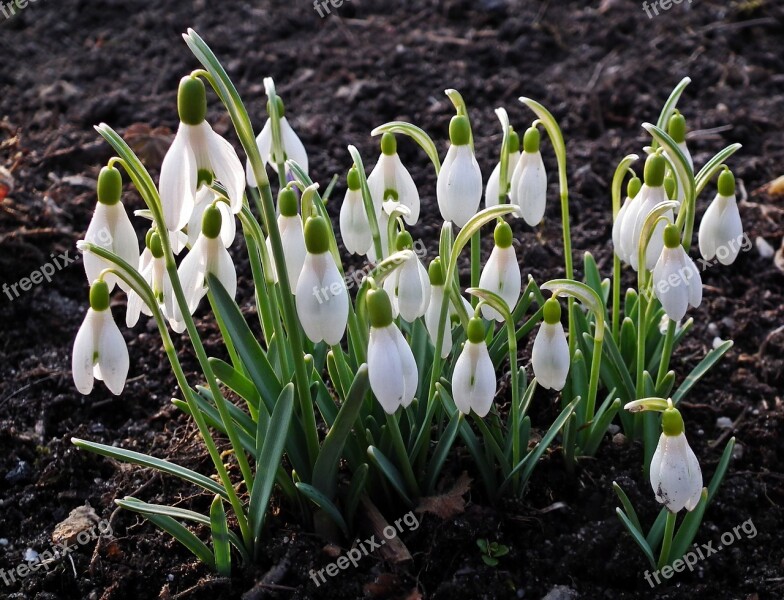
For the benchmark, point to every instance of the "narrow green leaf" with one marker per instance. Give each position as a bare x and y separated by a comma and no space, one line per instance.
636,536
699,371
220,537
627,506
236,382
324,504
390,472
436,462
355,491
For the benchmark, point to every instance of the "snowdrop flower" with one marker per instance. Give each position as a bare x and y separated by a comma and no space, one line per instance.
204,198
529,180
676,280
322,297
459,186
651,194
632,190
110,228
354,223
391,366
501,274
433,312
99,351
675,473
550,354
389,178
196,156
408,285
473,379
292,146
152,267
207,255
492,191
292,237
721,230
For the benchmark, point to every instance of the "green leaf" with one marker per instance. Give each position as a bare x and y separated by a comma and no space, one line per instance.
601,422
688,529
383,464
236,382
699,371
627,506
677,159
324,504
355,491
713,166
636,536
671,103
441,452
415,133
592,276
220,537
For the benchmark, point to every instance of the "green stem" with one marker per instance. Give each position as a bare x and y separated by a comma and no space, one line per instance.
664,362
476,263
669,528
402,454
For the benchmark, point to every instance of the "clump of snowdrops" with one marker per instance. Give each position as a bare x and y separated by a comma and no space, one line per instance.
410,364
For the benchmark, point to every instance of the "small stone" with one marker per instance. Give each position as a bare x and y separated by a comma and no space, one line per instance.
764,248
724,423
717,341
737,451
30,555
728,322
561,592
3,542
21,472
713,329
613,428
619,439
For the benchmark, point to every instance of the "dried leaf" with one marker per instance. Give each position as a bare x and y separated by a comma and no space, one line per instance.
776,187
449,504
82,518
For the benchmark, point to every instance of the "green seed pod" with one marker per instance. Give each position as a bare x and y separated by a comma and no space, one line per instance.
669,186
476,331
726,183
316,235
192,100
388,144
211,222
502,235
379,308
655,166
99,295
109,186
531,140
459,130
552,311
287,202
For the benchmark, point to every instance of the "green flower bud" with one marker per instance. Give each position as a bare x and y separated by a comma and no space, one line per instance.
726,183
672,422
677,127
211,222
514,141
403,241
281,108
155,245
633,187
552,311
352,179
379,308
287,202
148,237
109,186
388,144
436,272
317,235
669,186
502,235
99,295
672,237
476,331
459,130
192,100
655,166
531,140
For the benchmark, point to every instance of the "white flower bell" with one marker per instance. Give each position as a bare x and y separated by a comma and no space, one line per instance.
292,237
204,198
492,190
152,268
354,223
473,379
408,285
322,297
110,228
675,473
676,280
433,312
292,146
389,178
550,355
721,230
99,351
632,191
501,273
392,369
529,180
459,185
197,155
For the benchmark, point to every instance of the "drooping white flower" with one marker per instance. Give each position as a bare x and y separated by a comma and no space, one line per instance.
529,180
473,379
354,223
292,146
392,369
408,285
676,280
721,230
292,238
492,189
152,268
389,178
676,477
110,228
197,155
433,312
459,185
632,191
204,198
550,354
207,255
501,273
322,297
99,350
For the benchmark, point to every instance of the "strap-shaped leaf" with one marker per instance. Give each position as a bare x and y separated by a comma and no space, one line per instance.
355,490
671,103
636,536
677,158
220,537
713,166
627,506
592,276
699,371
436,462
236,382
389,471
324,504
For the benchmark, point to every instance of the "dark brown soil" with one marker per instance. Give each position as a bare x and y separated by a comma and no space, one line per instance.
70,64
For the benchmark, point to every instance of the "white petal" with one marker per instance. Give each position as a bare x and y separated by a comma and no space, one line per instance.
473,380
322,299
618,227
493,186
264,143
293,240
530,191
125,243
354,224
408,364
695,283
550,356
219,263
83,354
501,275
459,186
191,273
412,296
432,315
677,479
227,168
670,283
385,368
408,195
178,181
292,145
113,359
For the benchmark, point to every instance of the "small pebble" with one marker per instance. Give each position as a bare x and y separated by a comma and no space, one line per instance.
619,439
700,432
717,341
737,451
613,428
724,423
30,555
764,248
728,322
3,542
170,577
713,329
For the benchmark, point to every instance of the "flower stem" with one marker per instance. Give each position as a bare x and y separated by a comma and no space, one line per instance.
669,528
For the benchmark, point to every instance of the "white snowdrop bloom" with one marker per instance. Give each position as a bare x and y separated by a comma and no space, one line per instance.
459,185
676,280
99,351
675,473
473,379
550,355
632,191
651,194
433,312
292,238
293,148
501,274
354,223
492,189
207,255
110,228
389,178
408,285
392,369
197,155
152,267
204,198
529,180
721,230
322,297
